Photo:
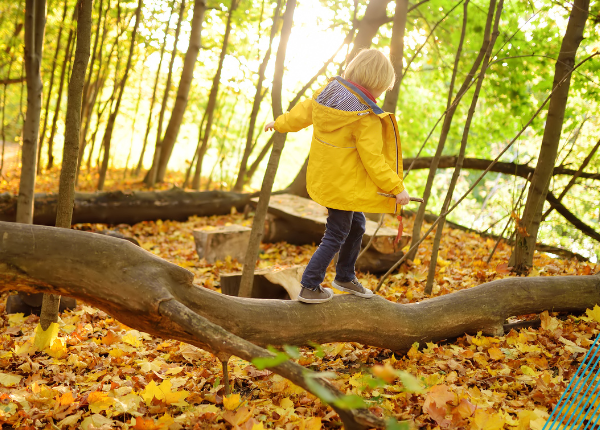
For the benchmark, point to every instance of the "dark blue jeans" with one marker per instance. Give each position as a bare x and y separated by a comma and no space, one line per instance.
344,231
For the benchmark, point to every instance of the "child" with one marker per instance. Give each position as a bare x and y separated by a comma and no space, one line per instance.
355,153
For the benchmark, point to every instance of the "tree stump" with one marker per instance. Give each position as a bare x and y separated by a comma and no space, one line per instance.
219,243
272,283
302,221
32,303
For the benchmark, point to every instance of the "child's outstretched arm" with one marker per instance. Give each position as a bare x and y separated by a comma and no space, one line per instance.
298,118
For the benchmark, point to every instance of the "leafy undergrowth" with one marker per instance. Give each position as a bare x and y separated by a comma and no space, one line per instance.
96,373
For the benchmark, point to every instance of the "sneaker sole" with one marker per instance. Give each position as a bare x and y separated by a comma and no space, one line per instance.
356,293
303,300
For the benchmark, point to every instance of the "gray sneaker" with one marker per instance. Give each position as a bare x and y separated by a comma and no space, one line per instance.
353,287
319,295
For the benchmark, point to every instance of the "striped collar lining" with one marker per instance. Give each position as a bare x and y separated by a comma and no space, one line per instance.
376,109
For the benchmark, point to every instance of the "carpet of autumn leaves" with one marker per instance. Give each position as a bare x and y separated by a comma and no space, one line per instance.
95,373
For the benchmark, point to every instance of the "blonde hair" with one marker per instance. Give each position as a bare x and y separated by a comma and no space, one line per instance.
372,70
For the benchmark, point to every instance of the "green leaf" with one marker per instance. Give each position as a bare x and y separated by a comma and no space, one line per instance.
319,390
411,384
392,424
351,401
318,349
374,382
292,351
264,362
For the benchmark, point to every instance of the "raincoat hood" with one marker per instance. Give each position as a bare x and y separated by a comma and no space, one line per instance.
355,150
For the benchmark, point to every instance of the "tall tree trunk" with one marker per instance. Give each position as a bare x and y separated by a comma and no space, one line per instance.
66,191
212,98
450,111
135,115
113,115
153,98
35,24
89,100
51,84
522,257
258,97
463,145
267,185
396,54
202,129
187,75
151,176
63,71
375,17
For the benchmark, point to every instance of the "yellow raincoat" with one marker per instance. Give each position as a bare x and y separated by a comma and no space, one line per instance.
353,154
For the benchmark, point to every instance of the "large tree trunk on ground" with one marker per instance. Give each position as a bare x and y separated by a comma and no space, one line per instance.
66,194
35,24
116,207
278,143
141,290
130,284
522,258
110,124
185,83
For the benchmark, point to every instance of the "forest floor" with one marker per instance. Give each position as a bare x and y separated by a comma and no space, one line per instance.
100,374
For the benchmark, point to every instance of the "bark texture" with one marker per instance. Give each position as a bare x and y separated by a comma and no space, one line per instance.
35,24
66,193
258,97
131,285
396,54
212,98
279,141
152,308
489,45
117,207
106,140
185,83
522,257
375,16
151,177
450,111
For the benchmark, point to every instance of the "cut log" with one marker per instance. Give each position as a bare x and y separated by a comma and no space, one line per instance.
218,243
32,304
117,207
302,221
272,283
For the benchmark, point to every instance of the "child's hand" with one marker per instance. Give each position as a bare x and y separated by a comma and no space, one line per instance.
403,198
270,126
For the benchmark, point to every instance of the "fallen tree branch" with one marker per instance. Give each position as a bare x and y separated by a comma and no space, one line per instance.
117,207
139,289
131,284
12,81
522,170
